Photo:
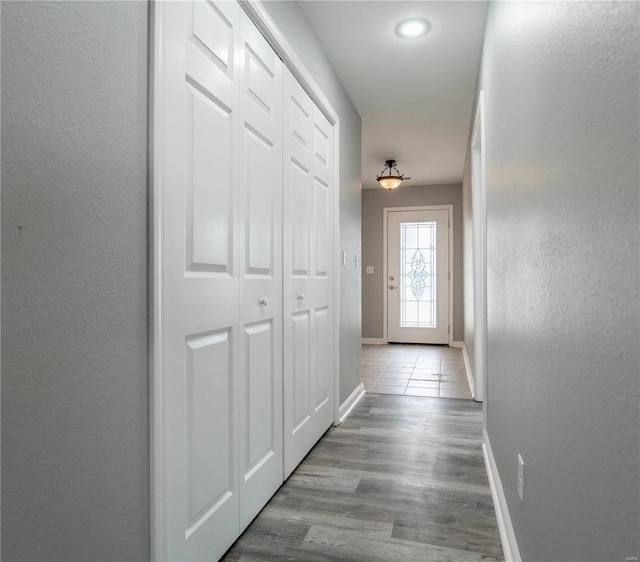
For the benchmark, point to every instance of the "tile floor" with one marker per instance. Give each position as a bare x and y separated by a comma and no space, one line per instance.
414,370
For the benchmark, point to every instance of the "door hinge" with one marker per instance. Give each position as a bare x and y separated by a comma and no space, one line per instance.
449,276
449,330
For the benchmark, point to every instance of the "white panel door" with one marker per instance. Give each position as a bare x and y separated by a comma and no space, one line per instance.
307,283
260,271
197,161
322,279
418,276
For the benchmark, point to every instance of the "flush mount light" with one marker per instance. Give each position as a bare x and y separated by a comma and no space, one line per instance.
390,181
412,28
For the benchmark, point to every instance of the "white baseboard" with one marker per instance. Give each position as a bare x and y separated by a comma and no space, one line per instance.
467,367
507,535
457,344
374,341
349,403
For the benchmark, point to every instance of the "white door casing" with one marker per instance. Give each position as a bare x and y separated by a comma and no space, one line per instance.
479,216
421,276
308,311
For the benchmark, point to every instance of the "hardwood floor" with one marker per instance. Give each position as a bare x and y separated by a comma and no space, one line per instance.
401,479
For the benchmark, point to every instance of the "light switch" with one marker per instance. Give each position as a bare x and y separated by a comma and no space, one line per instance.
369,269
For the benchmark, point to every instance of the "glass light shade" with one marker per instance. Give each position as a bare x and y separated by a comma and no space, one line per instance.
413,28
390,182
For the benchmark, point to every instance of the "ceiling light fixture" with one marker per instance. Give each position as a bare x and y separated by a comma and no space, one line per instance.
413,28
390,181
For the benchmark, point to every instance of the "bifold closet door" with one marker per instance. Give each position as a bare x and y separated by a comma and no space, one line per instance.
217,175
261,457
308,302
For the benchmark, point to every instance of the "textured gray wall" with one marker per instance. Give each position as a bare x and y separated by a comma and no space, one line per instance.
562,83
373,203
75,433
290,20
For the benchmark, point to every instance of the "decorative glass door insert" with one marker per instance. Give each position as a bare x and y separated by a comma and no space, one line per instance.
418,297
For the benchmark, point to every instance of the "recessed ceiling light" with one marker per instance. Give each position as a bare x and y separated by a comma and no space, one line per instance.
412,28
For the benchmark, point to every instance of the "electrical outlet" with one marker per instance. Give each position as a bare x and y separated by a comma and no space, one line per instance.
369,269
521,478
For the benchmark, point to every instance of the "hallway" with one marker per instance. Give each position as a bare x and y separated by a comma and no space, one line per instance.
401,479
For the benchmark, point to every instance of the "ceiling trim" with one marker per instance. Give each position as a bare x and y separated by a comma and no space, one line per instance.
263,21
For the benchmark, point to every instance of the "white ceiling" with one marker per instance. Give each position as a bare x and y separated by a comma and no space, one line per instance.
415,96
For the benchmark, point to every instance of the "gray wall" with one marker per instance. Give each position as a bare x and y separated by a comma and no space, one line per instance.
373,203
290,20
561,82
75,433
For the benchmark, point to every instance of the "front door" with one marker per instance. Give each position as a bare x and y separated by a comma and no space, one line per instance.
418,274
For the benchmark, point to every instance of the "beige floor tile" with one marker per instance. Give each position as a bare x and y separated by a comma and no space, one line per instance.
426,376
401,364
454,377
421,369
455,385
453,365
392,381
427,364
398,370
423,384
453,372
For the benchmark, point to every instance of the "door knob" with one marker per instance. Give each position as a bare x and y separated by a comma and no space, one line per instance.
300,296
392,287
264,301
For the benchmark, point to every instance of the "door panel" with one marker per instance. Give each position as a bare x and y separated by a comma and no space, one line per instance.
308,309
323,383
209,424
209,206
198,232
260,242
418,276
301,365
220,206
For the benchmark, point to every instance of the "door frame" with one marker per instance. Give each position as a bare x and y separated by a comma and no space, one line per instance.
265,24
479,222
385,219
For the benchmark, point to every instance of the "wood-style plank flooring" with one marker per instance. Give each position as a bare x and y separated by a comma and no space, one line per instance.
401,479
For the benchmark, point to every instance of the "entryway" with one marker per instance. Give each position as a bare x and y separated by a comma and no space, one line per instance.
417,274
415,370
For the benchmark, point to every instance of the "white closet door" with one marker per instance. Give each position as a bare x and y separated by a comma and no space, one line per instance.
261,100
308,310
322,275
197,158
